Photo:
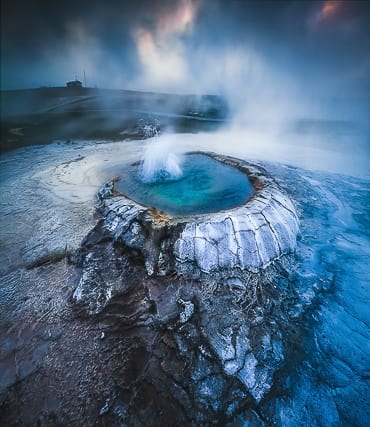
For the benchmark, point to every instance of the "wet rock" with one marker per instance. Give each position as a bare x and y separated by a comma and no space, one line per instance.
235,254
188,310
104,409
236,285
104,275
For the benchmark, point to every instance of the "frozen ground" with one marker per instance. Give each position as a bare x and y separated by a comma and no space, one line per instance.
47,207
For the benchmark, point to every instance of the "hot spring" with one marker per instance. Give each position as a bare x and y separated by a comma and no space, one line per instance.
195,184
220,214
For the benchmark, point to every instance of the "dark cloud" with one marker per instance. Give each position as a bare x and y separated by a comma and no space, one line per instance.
46,42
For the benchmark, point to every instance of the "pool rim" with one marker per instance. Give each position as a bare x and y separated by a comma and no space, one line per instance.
256,182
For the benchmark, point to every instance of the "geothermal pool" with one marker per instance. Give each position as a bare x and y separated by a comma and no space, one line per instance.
201,185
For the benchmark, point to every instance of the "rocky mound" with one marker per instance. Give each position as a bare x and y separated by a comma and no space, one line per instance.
190,272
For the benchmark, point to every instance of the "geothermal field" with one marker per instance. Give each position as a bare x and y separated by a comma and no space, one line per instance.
194,249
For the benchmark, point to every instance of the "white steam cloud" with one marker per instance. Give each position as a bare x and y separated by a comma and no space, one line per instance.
161,50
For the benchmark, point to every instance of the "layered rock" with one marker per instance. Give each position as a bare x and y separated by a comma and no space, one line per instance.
236,253
247,237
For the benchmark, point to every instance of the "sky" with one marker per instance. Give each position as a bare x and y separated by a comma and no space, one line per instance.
189,46
273,61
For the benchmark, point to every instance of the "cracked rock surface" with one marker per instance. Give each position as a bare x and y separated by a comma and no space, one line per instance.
229,260
227,348
247,237
235,242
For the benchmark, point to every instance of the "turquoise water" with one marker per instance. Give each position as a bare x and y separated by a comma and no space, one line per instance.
206,185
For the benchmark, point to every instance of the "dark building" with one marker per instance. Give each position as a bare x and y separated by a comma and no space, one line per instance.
74,83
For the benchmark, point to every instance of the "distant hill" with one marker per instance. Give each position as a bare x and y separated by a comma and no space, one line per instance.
35,116
63,99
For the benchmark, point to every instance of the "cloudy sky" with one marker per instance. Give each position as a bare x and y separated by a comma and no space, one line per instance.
188,46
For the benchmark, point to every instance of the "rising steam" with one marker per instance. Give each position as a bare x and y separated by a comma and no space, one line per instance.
161,50
161,161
